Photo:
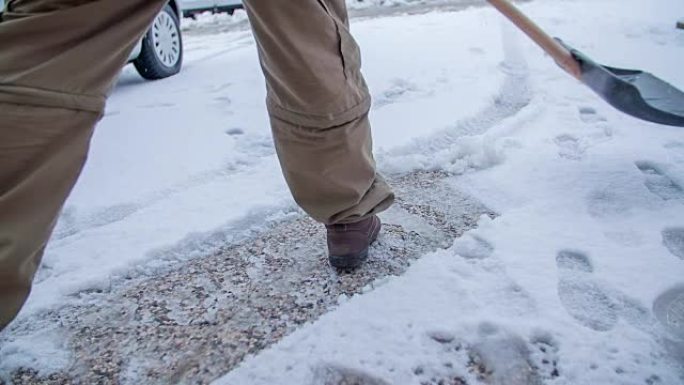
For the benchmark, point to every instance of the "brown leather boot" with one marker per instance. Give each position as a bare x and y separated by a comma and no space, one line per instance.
348,243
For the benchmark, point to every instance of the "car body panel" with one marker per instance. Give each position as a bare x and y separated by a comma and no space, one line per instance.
136,51
191,7
198,4
188,5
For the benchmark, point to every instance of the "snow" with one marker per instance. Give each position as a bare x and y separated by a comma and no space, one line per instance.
591,213
206,19
578,277
359,4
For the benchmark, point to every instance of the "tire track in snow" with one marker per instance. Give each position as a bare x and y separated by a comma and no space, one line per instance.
249,155
450,148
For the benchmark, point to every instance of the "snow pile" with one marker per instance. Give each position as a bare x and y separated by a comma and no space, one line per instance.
208,19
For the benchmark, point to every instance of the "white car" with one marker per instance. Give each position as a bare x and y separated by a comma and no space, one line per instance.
191,7
159,53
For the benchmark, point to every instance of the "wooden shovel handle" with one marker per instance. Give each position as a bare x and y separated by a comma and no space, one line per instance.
560,54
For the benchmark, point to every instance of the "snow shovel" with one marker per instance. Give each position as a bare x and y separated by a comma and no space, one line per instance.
634,92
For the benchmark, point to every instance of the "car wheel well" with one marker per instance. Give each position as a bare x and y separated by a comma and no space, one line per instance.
176,8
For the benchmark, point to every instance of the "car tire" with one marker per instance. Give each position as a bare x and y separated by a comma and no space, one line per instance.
162,47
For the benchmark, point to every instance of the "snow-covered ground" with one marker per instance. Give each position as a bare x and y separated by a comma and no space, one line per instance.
579,280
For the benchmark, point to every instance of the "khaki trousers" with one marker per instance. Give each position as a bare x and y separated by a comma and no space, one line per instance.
318,103
59,59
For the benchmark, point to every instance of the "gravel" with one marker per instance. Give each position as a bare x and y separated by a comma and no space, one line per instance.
198,319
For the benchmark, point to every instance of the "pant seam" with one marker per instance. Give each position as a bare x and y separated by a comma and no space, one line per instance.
319,121
28,95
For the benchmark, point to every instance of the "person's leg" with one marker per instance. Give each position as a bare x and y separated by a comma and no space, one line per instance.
42,150
59,58
318,103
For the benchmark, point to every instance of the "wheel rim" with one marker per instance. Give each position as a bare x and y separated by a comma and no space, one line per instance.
166,39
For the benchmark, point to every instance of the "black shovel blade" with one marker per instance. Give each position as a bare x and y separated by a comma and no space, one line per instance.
634,92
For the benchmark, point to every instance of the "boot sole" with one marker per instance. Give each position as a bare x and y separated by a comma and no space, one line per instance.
349,261
352,261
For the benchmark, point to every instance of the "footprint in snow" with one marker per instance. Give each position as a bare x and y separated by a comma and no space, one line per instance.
70,223
581,296
219,88
338,375
673,239
221,93
569,147
223,100
544,356
573,148
659,182
450,367
399,89
503,358
589,115
473,247
496,356
234,131
592,304
669,310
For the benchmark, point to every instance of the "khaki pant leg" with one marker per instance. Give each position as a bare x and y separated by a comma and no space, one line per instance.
68,53
42,151
58,61
318,103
